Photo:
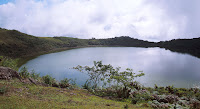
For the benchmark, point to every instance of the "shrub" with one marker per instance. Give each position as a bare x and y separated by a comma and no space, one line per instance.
156,105
140,96
24,72
194,104
34,75
65,83
108,75
86,85
123,92
48,80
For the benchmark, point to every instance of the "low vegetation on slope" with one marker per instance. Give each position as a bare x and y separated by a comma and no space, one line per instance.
190,46
29,90
17,95
107,87
16,44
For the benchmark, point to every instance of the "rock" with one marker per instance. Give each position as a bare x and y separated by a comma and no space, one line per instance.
8,73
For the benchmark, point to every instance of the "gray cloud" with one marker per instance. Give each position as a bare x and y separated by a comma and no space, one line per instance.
149,20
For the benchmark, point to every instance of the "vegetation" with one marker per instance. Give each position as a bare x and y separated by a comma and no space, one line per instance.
65,83
3,90
24,73
28,96
121,91
8,62
16,44
121,86
189,46
105,75
34,75
48,80
17,94
105,81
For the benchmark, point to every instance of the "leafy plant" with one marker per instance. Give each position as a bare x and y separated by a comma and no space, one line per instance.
48,80
140,96
24,72
86,85
105,75
34,75
65,83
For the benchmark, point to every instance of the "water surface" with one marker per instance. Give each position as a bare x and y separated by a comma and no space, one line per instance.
161,67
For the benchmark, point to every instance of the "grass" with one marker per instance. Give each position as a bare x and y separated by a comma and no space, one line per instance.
28,96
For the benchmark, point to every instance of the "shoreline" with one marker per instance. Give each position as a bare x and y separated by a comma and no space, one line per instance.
24,59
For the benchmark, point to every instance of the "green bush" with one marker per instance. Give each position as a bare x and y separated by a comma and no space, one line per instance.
140,96
106,75
86,85
34,75
65,83
24,72
48,80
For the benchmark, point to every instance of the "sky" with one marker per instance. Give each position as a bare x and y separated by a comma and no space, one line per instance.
153,20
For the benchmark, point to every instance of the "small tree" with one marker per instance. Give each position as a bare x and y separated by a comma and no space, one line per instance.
108,75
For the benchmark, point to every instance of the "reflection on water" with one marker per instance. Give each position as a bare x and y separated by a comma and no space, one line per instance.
161,67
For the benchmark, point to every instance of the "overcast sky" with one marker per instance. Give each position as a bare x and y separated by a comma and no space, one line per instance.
152,20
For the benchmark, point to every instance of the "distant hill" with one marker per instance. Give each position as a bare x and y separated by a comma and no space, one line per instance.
125,41
16,44
189,46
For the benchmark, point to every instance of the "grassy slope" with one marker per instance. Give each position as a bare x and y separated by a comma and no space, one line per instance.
16,44
24,96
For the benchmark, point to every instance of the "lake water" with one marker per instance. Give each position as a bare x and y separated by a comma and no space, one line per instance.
161,67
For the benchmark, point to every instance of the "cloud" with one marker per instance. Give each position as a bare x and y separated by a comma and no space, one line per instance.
149,20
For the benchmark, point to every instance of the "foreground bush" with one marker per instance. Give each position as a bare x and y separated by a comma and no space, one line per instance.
65,83
104,80
48,80
105,75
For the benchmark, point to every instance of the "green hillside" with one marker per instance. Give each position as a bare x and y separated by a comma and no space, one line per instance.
16,44
189,46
